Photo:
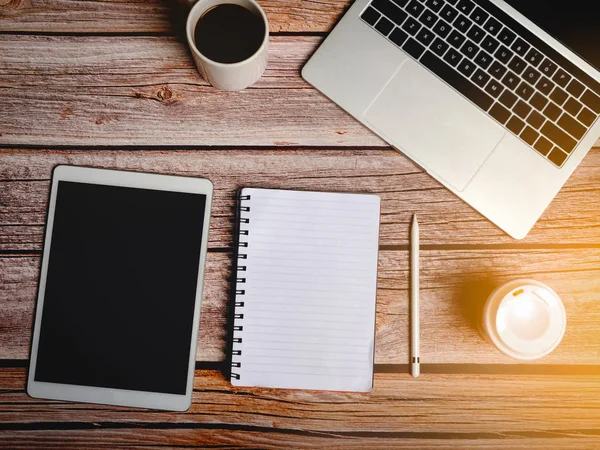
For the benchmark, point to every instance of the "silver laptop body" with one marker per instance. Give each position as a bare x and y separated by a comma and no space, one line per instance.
505,146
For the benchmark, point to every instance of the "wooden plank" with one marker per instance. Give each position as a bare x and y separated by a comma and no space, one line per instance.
222,437
454,284
152,16
573,217
475,411
146,91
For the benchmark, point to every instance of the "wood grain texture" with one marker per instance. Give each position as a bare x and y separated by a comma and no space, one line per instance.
572,218
152,16
454,285
400,412
146,91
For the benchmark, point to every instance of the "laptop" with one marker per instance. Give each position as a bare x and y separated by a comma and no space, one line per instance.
498,100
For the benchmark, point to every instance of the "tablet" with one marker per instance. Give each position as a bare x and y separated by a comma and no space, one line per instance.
120,289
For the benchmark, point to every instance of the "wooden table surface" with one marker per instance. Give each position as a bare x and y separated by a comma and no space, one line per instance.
111,84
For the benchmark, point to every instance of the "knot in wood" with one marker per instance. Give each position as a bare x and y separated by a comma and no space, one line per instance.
164,93
10,4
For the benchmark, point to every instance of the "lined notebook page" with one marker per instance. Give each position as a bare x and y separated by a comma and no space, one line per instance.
306,290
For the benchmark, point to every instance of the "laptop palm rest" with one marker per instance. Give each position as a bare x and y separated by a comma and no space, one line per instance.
409,106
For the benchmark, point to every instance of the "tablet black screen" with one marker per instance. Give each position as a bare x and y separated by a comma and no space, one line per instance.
121,287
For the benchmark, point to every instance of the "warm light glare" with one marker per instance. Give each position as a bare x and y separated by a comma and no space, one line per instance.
524,308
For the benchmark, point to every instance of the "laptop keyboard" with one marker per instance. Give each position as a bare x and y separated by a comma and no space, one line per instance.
501,67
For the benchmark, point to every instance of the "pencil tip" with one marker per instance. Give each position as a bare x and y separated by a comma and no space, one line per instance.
414,219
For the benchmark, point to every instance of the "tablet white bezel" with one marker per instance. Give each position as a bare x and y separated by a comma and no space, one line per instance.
123,397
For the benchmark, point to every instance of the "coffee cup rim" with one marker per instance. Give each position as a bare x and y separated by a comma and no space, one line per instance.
497,297
192,44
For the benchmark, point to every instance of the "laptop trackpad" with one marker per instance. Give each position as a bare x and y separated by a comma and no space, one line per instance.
434,125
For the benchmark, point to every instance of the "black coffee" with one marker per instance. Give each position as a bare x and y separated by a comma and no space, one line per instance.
229,33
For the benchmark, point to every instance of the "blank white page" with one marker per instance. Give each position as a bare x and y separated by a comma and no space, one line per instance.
306,290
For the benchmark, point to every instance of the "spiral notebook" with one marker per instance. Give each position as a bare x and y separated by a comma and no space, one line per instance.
306,290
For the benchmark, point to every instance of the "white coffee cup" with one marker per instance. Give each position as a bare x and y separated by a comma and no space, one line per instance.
234,76
524,319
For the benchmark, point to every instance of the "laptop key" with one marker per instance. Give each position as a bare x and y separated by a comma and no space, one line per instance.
415,8
448,13
571,126
529,135
543,145
490,44
401,3
481,78
572,106
435,5
413,48
525,91
456,39
384,26
552,111
456,80
439,47
506,36
586,117
515,125
452,57
411,26
522,109
517,65
510,80
545,86
591,100
442,28
492,26
497,70
561,78
538,101
398,36
390,10
425,36
575,88
548,67
520,46
483,59
469,49
559,96
559,137
535,119
476,34
494,88
504,55
462,24
557,156
534,57
508,99
371,16
479,16
428,18
531,75
465,6
466,67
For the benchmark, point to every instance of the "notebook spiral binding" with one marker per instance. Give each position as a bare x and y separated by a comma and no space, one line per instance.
239,290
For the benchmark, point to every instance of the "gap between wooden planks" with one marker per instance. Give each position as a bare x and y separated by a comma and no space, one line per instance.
552,410
454,284
573,218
